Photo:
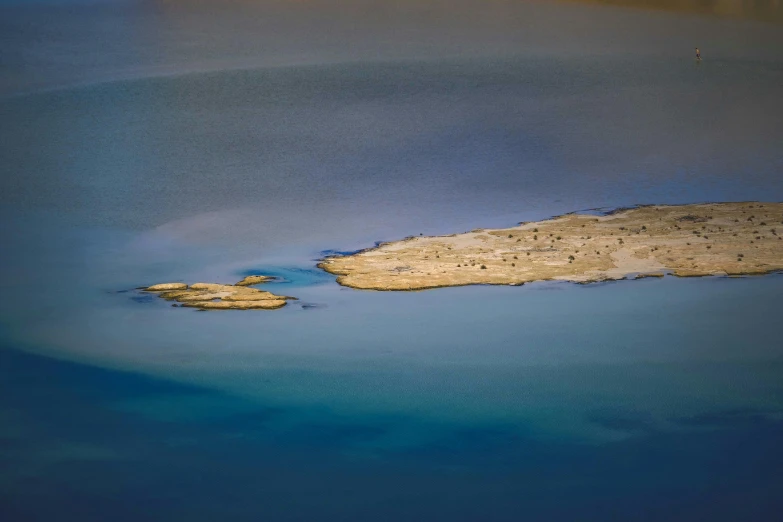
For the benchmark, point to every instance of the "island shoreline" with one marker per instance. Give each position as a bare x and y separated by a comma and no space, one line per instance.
355,275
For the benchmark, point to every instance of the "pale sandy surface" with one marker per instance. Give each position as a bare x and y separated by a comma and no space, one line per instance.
686,240
212,296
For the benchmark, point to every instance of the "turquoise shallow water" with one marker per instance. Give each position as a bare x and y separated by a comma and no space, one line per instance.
672,409
635,400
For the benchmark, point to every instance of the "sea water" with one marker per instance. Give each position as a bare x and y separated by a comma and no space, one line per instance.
633,400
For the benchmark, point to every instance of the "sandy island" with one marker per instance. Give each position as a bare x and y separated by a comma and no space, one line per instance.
213,296
685,240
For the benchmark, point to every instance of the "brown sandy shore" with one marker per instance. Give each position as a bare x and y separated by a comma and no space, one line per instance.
213,296
686,240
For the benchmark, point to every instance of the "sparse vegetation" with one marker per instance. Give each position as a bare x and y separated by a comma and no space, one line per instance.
568,238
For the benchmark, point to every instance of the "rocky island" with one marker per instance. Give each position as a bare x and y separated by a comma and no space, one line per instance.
684,240
213,296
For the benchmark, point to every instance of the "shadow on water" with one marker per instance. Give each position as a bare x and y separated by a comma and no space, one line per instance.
83,443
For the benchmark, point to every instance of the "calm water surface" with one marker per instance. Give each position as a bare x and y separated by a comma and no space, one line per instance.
637,400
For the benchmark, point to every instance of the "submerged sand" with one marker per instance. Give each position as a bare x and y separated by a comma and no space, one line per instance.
685,240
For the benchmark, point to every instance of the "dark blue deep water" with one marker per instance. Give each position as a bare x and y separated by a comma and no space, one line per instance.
158,143
71,452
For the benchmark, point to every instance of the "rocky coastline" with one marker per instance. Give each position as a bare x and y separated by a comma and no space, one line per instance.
695,240
213,296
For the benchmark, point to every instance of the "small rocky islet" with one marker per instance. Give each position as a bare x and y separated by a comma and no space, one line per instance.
214,296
